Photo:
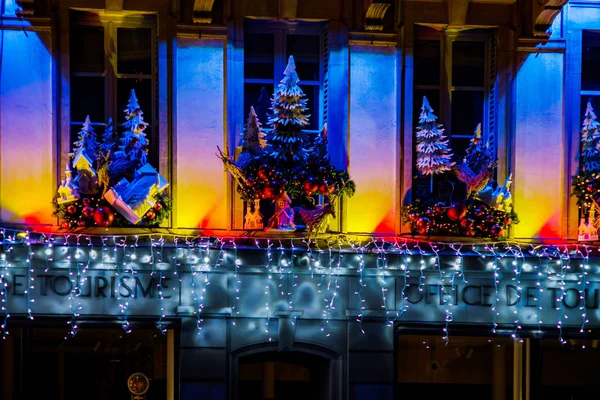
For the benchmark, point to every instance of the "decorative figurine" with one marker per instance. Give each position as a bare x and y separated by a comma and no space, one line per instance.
283,217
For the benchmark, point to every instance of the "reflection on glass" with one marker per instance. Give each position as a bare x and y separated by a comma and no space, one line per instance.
86,49
468,63
306,50
427,62
466,367
467,111
259,55
590,63
134,51
259,96
87,98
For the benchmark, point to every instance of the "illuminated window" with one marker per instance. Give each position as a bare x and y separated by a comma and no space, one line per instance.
108,58
267,46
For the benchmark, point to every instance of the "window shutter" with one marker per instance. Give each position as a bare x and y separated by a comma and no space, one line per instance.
325,74
491,103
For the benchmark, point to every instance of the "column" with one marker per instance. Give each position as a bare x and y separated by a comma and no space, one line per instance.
374,135
201,195
540,184
27,144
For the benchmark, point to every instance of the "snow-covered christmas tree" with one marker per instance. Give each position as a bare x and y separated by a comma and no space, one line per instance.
288,118
134,144
433,153
590,154
86,139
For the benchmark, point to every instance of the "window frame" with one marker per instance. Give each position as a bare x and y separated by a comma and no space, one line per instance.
280,31
445,87
110,24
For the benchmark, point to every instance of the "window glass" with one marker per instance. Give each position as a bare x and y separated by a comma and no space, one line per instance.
468,63
87,98
427,62
267,48
87,49
134,51
590,62
306,50
428,367
95,364
467,111
259,96
312,95
580,359
259,53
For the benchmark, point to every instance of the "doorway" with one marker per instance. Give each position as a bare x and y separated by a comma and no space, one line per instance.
284,375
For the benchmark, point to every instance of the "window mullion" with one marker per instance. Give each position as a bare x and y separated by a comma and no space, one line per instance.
446,81
110,84
280,59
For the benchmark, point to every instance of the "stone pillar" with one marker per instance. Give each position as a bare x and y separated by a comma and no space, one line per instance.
540,185
374,133
27,115
201,196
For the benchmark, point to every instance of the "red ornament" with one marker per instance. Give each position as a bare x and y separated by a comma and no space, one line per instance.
467,223
495,231
507,220
310,187
87,211
263,172
470,232
413,217
439,208
71,209
268,193
249,182
104,216
65,225
86,202
150,215
478,212
457,211
490,219
157,206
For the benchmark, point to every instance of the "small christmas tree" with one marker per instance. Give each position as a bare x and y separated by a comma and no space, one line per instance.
108,141
478,155
590,156
288,118
433,154
134,144
87,139
253,140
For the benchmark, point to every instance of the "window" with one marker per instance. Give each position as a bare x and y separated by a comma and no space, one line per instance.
456,74
108,59
267,47
590,65
466,367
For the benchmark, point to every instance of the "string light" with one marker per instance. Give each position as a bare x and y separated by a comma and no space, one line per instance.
127,258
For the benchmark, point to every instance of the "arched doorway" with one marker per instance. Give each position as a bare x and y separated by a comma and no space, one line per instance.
261,373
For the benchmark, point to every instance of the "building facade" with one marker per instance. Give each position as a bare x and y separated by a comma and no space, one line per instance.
208,310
